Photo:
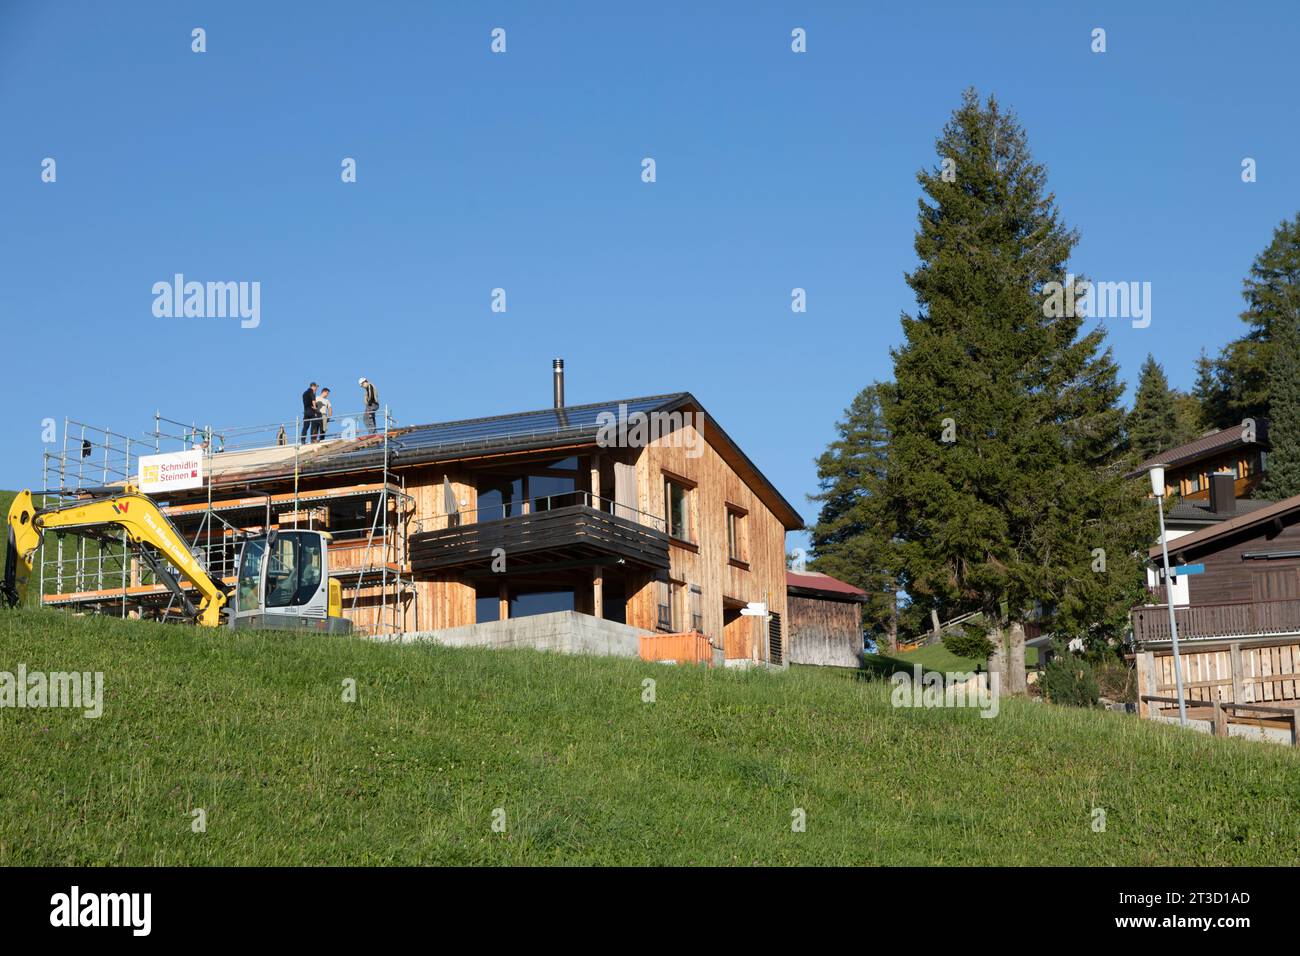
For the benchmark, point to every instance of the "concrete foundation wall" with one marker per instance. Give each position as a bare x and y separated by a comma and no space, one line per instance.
564,632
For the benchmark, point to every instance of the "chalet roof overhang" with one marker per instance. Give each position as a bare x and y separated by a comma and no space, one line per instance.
821,595
1215,443
1280,513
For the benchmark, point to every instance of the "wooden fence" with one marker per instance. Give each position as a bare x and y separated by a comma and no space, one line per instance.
1221,714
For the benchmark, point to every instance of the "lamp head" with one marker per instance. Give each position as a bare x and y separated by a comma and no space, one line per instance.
1157,473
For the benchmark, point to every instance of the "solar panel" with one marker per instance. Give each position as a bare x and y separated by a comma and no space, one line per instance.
426,440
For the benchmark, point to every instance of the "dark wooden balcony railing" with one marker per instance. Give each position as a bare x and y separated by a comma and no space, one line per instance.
1207,621
558,536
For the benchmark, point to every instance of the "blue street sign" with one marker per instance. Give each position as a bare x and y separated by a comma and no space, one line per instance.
1183,569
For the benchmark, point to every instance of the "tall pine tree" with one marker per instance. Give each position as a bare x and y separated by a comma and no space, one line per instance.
853,537
1006,424
1153,424
1282,479
1238,385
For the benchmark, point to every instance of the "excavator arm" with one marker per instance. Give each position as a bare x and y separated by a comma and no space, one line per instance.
131,511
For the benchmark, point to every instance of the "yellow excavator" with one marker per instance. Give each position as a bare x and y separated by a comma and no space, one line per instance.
283,579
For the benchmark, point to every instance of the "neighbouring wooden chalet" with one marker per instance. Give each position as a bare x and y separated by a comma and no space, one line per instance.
634,517
825,620
1238,619
1241,450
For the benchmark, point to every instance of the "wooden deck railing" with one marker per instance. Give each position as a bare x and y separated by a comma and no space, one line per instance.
1230,619
578,535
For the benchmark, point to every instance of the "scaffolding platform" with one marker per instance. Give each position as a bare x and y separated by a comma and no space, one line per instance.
252,481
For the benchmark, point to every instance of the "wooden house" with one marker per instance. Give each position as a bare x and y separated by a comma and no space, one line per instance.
642,514
1241,450
1237,612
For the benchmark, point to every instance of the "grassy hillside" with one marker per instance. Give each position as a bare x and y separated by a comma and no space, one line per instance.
252,728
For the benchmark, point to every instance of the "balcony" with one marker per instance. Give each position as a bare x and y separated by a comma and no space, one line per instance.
572,530
1231,620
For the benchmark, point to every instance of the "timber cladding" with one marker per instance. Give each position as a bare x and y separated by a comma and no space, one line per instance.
824,631
703,562
697,576
730,553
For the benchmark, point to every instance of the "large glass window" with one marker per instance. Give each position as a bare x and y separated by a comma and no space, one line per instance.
525,603
487,605
500,498
555,487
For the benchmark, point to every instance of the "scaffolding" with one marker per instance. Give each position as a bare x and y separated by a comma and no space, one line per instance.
98,571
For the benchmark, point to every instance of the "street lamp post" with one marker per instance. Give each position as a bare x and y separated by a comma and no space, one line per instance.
1158,490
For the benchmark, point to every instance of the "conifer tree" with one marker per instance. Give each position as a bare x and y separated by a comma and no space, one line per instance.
1153,423
1239,378
1282,479
853,537
1006,427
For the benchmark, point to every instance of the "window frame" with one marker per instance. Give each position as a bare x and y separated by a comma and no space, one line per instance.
687,487
737,526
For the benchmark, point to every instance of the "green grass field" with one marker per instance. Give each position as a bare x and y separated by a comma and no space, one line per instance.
252,729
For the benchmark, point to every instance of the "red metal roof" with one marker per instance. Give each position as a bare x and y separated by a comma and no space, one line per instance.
816,581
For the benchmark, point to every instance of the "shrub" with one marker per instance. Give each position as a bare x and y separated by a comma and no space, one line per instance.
1069,679
970,643
1116,680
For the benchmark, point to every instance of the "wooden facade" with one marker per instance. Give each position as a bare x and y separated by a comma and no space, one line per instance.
1239,630
609,541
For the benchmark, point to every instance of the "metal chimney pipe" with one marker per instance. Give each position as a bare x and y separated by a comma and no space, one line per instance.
557,368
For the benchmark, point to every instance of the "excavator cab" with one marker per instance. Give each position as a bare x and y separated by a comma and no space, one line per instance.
284,582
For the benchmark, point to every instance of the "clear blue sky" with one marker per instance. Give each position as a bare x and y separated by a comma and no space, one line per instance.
522,171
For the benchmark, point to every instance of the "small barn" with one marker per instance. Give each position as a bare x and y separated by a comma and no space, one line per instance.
824,625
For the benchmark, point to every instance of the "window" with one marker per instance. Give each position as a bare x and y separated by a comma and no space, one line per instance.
736,545
541,601
697,615
250,575
487,603
293,569
663,606
677,506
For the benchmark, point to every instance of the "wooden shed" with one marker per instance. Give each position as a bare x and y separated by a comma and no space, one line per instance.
825,620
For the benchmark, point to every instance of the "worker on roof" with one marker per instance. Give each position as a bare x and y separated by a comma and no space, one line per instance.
308,413
372,403
324,412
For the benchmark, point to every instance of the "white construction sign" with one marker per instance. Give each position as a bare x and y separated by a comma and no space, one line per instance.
174,471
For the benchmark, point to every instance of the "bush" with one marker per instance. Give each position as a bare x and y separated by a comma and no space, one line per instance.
970,643
1069,679
1116,679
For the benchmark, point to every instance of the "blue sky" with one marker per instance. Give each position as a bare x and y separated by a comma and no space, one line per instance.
523,171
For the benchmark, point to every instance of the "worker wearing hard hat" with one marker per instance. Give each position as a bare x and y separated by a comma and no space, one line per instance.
372,402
